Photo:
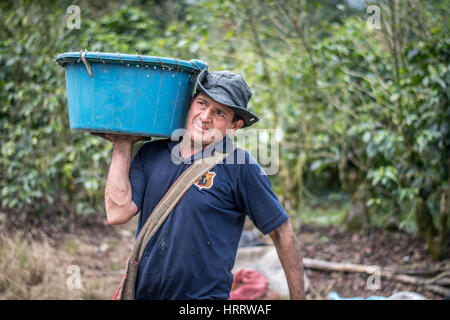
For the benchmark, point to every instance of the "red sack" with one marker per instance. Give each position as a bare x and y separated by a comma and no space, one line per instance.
248,285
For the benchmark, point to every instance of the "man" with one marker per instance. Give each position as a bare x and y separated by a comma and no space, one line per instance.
193,252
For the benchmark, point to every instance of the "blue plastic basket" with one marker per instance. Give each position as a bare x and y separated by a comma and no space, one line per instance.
127,93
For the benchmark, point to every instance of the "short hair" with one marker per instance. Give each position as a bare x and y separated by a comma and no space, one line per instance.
236,118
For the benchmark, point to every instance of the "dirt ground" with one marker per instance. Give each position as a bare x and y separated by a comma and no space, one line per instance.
55,246
100,251
374,247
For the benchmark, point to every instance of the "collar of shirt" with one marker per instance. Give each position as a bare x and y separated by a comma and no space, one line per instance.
224,145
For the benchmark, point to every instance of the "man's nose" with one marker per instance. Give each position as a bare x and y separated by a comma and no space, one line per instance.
205,115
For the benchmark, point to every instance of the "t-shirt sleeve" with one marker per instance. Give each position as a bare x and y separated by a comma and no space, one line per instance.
138,177
258,200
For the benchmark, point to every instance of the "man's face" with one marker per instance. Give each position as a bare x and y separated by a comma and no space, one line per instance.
209,121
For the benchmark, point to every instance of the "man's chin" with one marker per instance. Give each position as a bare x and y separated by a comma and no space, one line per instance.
198,140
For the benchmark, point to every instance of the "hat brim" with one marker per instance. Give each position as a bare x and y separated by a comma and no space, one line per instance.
248,117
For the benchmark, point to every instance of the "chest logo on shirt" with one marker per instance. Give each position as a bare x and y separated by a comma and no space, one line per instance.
206,181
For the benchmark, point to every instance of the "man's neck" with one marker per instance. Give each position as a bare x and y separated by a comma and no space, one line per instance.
188,147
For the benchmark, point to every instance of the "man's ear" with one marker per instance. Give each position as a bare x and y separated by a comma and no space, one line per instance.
238,124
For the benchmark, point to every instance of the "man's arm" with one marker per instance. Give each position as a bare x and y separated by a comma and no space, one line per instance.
289,253
119,205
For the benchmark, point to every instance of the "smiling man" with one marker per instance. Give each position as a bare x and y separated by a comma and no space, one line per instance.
207,122
192,253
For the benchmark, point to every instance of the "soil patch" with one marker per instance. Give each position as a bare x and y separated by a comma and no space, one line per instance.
62,246
375,246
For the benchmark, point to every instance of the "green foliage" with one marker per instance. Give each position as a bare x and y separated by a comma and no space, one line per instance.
365,107
43,164
33,121
330,215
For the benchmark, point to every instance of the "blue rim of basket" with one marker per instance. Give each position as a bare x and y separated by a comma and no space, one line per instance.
132,60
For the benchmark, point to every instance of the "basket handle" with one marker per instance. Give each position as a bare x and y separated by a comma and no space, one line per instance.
86,63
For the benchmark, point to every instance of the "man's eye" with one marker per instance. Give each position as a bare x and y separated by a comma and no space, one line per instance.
220,113
201,103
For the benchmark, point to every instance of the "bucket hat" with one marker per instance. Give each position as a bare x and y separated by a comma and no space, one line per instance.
229,89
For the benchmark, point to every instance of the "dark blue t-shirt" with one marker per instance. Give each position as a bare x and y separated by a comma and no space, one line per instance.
193,252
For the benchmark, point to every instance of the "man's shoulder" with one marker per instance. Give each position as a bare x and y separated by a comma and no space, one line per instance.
156,144
152,148
242,162
240,156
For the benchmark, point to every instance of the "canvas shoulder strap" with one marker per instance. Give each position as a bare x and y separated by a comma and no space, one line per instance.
126,289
